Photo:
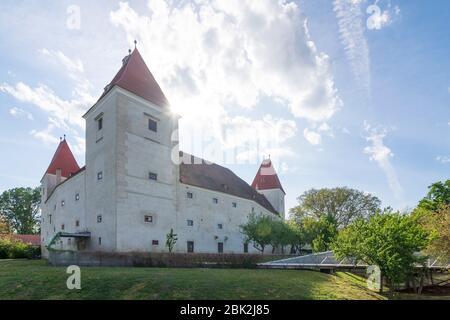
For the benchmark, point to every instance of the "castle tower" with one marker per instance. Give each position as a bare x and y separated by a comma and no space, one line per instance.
267,183
131,179
62,166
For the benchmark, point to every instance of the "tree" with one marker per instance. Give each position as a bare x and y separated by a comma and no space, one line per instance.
438,224
19,208
4,226
296,236
388,240
438,195
171,240
341,205
319,233
258,230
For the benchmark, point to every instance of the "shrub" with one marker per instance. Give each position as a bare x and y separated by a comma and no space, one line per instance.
10,249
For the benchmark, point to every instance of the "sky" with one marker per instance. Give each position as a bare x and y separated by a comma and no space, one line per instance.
349,93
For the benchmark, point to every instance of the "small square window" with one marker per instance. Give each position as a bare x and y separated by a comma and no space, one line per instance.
234,205
77,197
100,124
148,219
152,176
152,125
63,203
245,247
190,195
100,175
99,241
77,223
190,223
220,226
155,242
215,200
99,218
62,226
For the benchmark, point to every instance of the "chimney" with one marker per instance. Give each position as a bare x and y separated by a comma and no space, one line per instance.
58,176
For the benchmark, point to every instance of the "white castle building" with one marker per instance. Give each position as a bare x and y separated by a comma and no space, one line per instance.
134,189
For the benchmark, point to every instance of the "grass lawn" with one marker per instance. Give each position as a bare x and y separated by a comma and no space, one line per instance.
22,279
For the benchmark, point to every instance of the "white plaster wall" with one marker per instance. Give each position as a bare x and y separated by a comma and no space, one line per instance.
276,198
68,214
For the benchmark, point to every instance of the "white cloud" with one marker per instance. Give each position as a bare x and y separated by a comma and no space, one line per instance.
72,65
222,52
312,137
45,136
20,113
443,159
382,155
351,30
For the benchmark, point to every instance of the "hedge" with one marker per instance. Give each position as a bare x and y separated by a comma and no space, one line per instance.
13,249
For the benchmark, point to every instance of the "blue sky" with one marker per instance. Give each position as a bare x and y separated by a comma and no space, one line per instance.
340,93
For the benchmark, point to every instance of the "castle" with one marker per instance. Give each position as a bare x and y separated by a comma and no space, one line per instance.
137,186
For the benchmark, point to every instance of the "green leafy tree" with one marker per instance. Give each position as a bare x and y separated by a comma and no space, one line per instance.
19,208
341,205
438,224
296,236
171,240
438,195
259,231
319,233
389,240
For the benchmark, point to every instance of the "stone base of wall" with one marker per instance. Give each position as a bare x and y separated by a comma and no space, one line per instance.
141,259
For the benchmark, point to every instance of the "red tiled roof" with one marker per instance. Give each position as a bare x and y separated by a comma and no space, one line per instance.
135,77
211,176
266,178
63,159
32,239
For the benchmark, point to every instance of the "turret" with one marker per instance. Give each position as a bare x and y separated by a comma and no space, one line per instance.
267,183
62,166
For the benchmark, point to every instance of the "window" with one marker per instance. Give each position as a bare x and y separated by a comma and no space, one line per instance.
152,125
54,208
148,219
152,176
62,226
245,247
99,218
190,223
190,195
234,205
100,175
253,210
100,124
77,197
220,247
99,241
69,241
190,246
215,200
50,218
63,203
77,223
220,226
155,242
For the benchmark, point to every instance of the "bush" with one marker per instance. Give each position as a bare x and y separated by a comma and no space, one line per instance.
10,249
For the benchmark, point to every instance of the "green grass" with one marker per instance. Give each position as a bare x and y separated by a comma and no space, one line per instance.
22,279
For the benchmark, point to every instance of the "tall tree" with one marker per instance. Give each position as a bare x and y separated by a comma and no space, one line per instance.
4,226
19,207
341,205
259,231
388,240
438,195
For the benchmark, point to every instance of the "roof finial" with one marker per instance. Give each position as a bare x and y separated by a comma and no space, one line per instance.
64,137
135,43
60,139
129,51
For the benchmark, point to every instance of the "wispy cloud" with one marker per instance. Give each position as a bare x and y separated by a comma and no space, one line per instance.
312,137
351,22
382,155
443,159
20,113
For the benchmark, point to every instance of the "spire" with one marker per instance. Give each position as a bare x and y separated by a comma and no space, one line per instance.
135,77
63,159
266,177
